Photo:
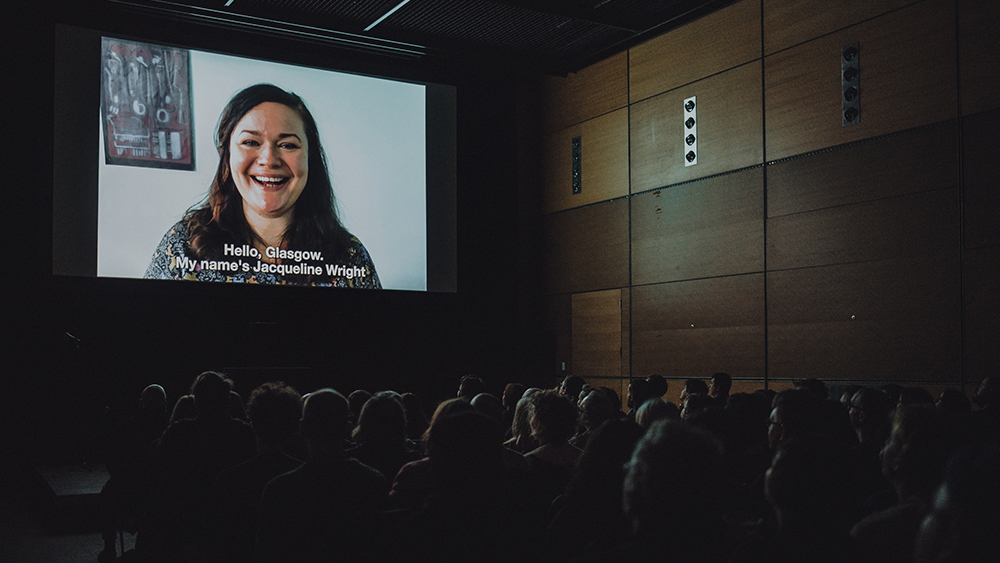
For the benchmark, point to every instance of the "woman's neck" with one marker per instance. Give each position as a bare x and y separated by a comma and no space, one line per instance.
270,231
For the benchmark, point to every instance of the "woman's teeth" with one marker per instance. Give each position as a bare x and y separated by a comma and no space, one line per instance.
270,181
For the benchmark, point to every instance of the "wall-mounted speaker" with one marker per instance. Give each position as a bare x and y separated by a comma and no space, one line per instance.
690,151
850,84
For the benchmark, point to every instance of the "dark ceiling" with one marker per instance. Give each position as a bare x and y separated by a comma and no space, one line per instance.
553,36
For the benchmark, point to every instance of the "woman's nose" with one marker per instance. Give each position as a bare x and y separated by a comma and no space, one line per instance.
268,155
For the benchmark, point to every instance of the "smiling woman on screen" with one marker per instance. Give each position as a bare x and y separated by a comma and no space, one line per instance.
270,215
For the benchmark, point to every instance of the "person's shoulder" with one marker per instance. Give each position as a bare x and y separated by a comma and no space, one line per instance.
181,426
239,423
178,431
355,246
179,231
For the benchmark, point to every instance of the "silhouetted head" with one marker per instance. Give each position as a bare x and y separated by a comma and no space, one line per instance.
554,417
153,398
382,420
211,393
794,411
810,483
692,386
658,386
463,447
656,409
571,386
357,400
914,456
274,410
639,391
962,527
324,418
988,392
671,483
720,384
489,405
470,386
953,402
596,408
512,393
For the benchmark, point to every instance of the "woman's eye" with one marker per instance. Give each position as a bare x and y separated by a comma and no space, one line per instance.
250,143
288,146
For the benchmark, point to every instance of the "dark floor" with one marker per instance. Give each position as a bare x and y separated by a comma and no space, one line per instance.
51,515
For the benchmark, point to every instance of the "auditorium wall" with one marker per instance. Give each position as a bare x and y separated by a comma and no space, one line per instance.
796,246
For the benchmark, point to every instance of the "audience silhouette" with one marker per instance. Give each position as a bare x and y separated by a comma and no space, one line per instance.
793,476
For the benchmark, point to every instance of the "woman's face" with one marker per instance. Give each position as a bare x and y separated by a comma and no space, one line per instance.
269,159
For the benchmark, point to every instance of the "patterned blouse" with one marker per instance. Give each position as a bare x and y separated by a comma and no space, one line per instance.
243,264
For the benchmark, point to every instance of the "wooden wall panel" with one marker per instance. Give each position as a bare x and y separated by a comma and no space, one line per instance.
559,328
587,249
626,328
712,227
893,319
925,224
597,333
598,89
981,179
730,134
696,328
788,23
719,41
981,313
979,55
604,162
907,79
920,160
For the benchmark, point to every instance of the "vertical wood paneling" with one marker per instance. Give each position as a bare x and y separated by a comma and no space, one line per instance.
587,249
788,23
598,89
979,53
720,41
712,227
981,313
597,334
696,328
729,130
920,160
908,78
862,244
892,319
559,327
912,225
981,180
626,331
604,162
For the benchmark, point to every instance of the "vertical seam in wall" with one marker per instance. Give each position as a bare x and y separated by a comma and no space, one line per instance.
961,198
763,140
628,135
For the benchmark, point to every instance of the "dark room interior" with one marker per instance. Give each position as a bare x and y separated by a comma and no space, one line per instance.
585,228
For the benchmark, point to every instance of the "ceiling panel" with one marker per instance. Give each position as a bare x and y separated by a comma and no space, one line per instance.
554,36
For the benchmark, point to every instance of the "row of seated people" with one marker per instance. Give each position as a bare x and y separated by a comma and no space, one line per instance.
558,475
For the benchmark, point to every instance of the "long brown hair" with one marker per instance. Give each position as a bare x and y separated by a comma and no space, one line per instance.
220,219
